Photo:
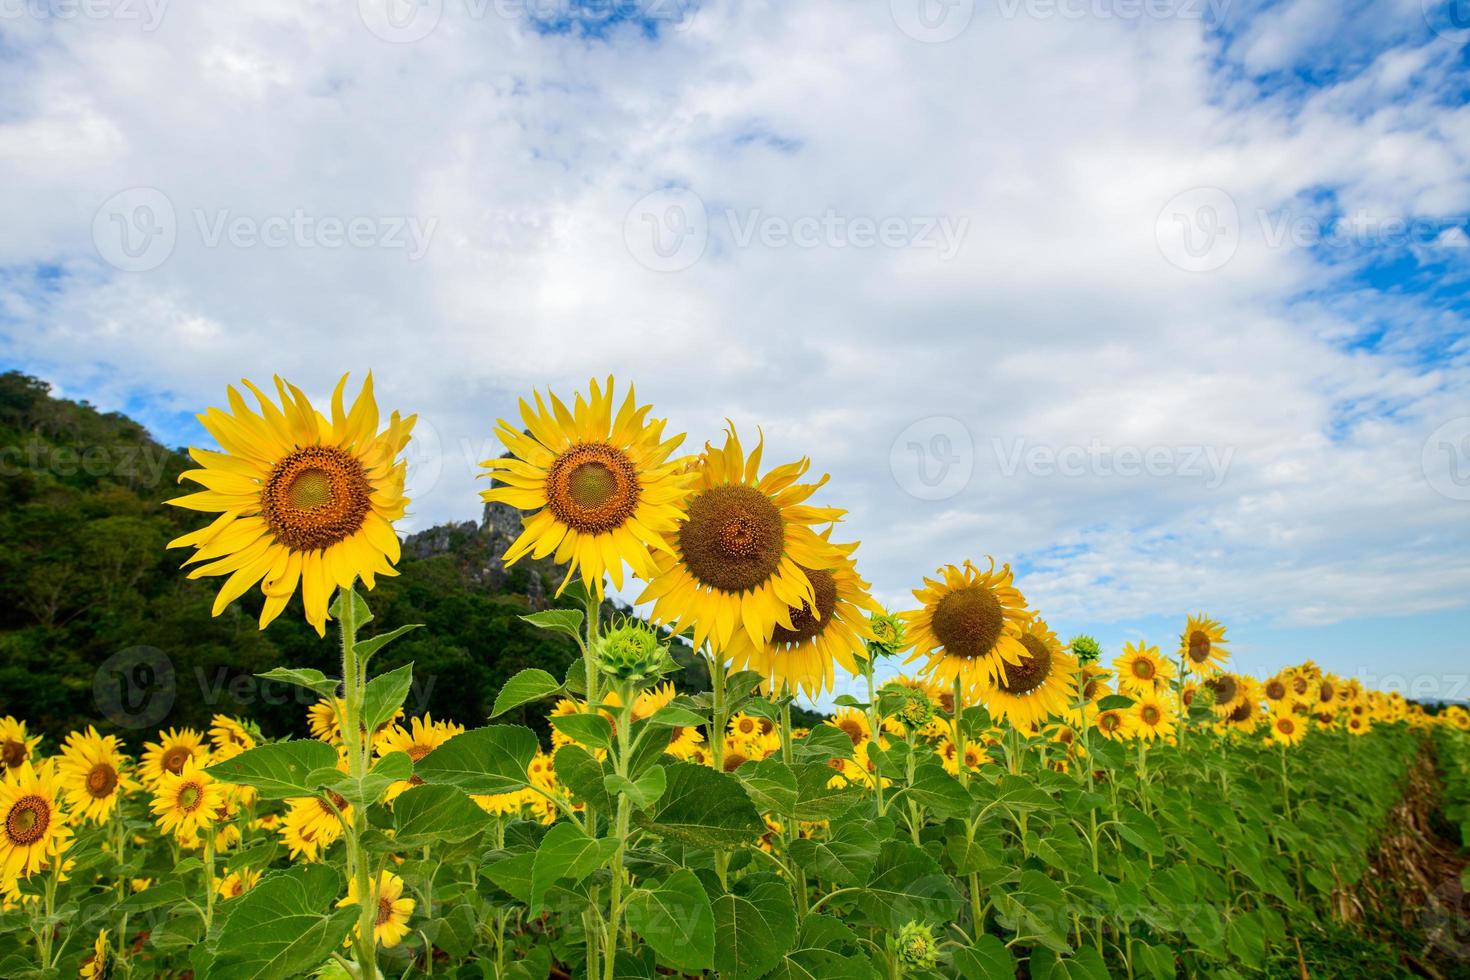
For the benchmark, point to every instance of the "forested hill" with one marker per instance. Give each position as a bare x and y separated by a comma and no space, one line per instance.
98,624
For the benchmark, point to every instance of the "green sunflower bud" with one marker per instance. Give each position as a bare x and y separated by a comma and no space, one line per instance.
917,948
632,651
1086,649
887,634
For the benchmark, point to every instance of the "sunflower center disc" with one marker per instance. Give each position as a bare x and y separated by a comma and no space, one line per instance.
733,539
315,497
189,797
12,753
1327,693
1150,714
28,820
852,730
1285,726
805,625
1275,690
968,622
101,781
174,759
1031,672
1199,647
592,488
1143,670
1224,687
1242,712
385,910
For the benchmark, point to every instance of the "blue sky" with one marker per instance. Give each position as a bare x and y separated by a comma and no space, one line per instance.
1168,310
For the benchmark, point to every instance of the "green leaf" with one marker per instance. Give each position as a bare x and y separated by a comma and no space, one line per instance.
907,885
642,792
283,927
939,792
395,767
567,621
753,929
1088,964
705,808
822,743
511,871
486,760
278,770
384,695
675,918
426,814
817,801
1155,961
312,680
592,730
1115,702
1139,829
566,852
677,716
366,648
583,775
527,686
845,858
741,685
771,785
361,614
988,959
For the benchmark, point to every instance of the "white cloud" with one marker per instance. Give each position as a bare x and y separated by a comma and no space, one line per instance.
1058,323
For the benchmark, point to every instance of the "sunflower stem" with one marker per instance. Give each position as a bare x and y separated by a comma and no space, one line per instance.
717,740
874,722
357,741
624,813
208,836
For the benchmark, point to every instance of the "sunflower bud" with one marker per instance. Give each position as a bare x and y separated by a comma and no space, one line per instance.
631,651
1086,649
917,950
887,634
916,709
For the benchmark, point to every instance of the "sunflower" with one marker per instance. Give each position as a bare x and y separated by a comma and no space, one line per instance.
1042,684
310,826
684,737
423,736
1358,725
969,624
1114,724
1245,715
174,748
236,883
1288,729
1229,690
15,746
1202,645
36,828
1152,717
603,488
390,924
228,738
1277,691
833,631
975,755
187,802
94,774
852,723
743,557
321,720
1141,670
300,498
1330,693
96,965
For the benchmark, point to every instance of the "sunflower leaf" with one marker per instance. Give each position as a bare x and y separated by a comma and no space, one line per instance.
395,767
384,695
312,680
426,814
705,808
529,685
283,927
366,648
566,621
594,731
675,918
489,760
278,770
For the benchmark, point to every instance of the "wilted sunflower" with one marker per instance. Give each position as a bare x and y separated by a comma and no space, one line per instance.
390,922
15,746
602,486
187,802
969,624
174,748
1202,645
1288,729
94,774
35,826
832,631
1041,685
1141,670
301,499
742,557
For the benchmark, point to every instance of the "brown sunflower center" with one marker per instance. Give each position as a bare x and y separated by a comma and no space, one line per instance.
1143,669
417,752
1109,721
1327,692
1031,672
1225,688
593,488
174,758
1242,712
734,538
804,623
1199,646
191,795
385,911
852,729
734,760
12,753
1150,714
969,621
28,819
315,497
1299,684
1285,726
101,781
1275,690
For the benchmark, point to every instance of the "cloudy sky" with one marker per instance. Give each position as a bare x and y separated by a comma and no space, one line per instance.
1162,301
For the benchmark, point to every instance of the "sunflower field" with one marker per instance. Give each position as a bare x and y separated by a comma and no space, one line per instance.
997,803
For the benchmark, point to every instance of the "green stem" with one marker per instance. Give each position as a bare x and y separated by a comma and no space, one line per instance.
874,722
208,836
357,743
624,815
